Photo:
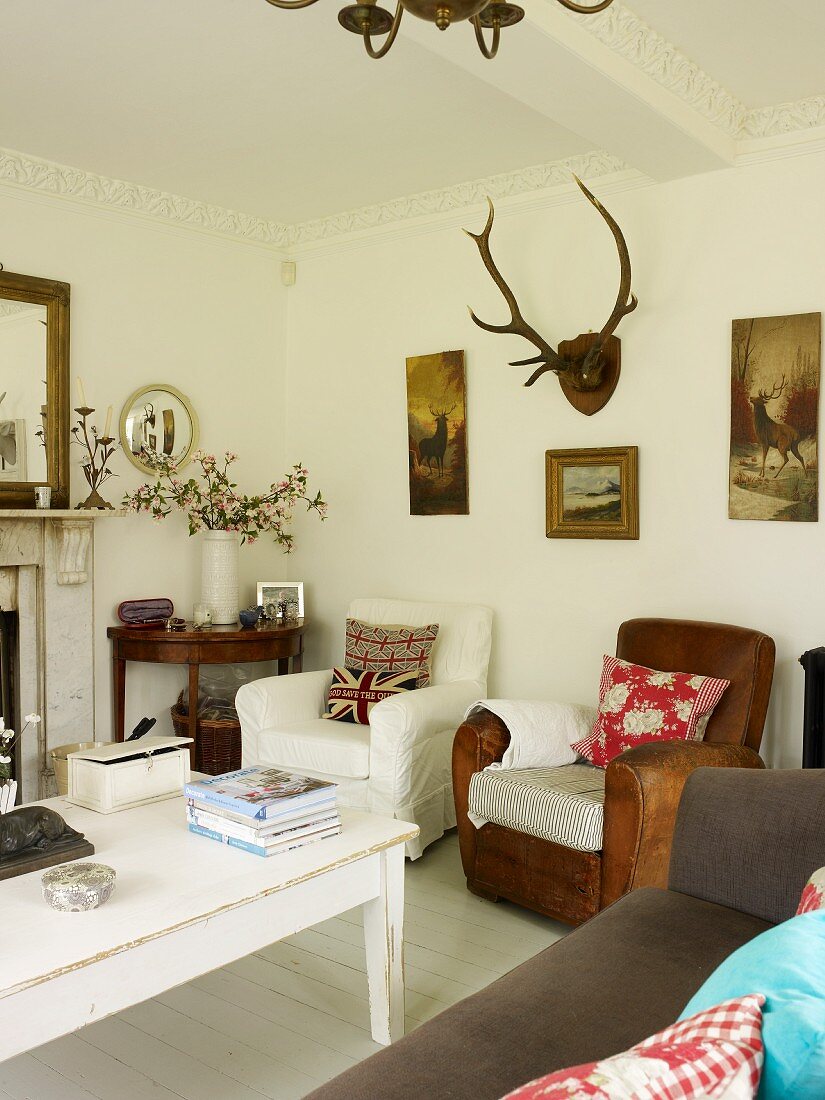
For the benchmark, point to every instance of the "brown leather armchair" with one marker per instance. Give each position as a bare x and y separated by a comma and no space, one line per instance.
642,786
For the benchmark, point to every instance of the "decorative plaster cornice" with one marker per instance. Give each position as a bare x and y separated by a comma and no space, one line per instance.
785,118
59,180
622,31
629,36
448,199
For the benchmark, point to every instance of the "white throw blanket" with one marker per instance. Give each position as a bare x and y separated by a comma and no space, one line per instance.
540,733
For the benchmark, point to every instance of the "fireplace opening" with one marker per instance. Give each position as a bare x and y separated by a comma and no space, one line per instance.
8,686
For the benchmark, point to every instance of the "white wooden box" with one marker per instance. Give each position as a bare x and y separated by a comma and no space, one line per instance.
130,773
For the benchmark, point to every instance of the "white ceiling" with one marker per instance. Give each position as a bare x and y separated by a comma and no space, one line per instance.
281,114
763,51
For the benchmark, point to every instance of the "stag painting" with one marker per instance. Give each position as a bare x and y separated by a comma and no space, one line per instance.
437,434
775,364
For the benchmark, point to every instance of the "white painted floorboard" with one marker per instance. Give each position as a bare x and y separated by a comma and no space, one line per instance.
279,1023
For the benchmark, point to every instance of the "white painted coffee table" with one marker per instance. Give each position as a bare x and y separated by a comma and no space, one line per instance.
184,906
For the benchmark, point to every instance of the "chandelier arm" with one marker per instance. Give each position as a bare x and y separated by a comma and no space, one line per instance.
388,41
487,51
291,3
582,9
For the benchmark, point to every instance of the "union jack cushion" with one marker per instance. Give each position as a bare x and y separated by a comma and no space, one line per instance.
813,896
354,693
715,1055
638,704
390,648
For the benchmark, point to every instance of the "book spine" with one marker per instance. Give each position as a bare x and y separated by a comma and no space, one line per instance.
222,825
256,849
327,806
214,798
264,837
224,838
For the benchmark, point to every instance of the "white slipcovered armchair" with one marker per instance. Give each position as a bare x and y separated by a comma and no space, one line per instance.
400,764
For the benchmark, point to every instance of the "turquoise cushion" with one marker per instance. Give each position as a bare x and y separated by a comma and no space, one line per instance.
787,964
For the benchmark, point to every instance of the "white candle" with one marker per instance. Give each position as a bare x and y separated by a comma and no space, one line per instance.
108,422
80,390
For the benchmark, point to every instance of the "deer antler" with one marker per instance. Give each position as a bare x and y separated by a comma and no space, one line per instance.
626,300
583,372
765,396
547,356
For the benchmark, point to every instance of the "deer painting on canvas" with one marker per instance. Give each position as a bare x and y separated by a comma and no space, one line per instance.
437,434
774,417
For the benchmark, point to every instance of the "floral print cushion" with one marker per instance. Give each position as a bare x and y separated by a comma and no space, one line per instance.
638,704
717,1053
813,896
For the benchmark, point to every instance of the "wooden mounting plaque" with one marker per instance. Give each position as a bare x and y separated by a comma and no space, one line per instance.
32,860
590,401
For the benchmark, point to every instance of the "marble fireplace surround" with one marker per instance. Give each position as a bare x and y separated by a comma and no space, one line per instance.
46,575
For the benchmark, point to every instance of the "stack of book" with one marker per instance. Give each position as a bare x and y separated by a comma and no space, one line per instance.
262,810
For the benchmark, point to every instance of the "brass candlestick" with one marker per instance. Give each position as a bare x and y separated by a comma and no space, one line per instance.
99,449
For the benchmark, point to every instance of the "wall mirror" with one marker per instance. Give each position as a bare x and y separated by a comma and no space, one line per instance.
34,389
160,420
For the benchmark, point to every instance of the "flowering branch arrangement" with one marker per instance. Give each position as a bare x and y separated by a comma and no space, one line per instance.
211,501
8,743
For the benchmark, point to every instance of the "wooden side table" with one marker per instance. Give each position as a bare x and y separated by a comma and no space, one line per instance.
220,645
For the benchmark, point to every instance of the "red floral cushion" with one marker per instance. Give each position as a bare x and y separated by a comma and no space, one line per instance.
390,648
638,704
813,896
716,1054
353,693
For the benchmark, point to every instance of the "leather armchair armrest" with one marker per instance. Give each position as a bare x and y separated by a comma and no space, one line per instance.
643,787
480,740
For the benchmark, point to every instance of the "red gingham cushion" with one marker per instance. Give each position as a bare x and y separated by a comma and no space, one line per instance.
813,896
390,648
354,693
638,704
715,1055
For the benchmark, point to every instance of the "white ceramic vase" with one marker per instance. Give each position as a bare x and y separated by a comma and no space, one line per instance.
219,575
8,795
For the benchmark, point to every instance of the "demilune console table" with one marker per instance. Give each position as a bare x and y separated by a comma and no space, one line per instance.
219,645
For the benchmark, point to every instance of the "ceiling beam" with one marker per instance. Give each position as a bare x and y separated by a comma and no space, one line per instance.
553,64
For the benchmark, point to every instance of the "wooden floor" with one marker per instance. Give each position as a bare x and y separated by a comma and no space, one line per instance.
280,1022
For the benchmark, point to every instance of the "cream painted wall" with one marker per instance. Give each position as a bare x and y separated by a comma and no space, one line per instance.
738,243
152,303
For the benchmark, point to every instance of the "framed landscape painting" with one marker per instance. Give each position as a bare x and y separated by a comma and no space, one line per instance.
774,418
593,493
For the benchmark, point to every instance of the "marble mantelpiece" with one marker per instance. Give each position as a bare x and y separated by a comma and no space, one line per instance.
46,575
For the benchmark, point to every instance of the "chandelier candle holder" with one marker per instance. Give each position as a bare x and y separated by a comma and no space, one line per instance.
367,19
99,449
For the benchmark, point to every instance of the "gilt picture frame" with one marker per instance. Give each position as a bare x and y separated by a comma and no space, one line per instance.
592,493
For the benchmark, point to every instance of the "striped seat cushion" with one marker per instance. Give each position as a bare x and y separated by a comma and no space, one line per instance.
565,805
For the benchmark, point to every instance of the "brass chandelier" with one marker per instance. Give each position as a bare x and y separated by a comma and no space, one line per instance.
367,19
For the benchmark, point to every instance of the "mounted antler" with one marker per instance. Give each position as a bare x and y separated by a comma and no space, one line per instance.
579,364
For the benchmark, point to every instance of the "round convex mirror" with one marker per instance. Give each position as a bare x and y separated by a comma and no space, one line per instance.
158,420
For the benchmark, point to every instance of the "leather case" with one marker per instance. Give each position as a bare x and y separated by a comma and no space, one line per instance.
145,613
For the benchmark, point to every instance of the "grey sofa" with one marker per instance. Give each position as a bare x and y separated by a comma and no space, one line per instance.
745,844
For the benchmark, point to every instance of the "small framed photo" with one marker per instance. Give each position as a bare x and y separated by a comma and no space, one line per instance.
593,493
271,593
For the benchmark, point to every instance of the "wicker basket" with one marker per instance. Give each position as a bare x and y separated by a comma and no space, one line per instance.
218,743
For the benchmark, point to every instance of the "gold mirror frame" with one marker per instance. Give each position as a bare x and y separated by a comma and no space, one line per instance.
133,399
55,297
